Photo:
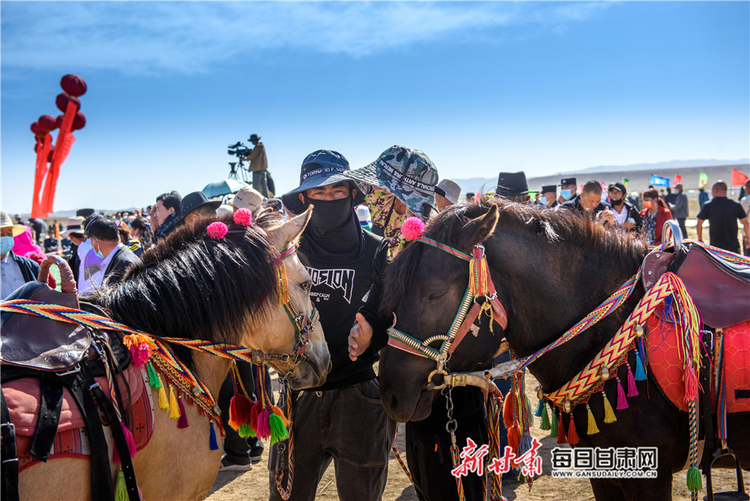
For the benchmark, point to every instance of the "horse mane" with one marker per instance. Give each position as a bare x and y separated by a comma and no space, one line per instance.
193,286
545,225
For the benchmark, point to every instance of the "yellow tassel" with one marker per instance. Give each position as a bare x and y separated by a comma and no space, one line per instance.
592,429
478,277
174,410
487,308
609,413
163,402
282,283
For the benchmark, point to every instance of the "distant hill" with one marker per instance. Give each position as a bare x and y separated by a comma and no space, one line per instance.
664,165
639,175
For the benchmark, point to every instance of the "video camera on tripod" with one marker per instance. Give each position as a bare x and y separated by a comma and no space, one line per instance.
240,151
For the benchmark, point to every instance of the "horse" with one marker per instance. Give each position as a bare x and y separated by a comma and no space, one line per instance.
550,269
223,290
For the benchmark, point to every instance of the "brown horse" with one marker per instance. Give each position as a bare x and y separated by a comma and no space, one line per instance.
192,286
550,269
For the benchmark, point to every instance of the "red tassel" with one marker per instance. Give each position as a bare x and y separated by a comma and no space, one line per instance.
132,450
257,407
182,422
691,384
561,439
622,402
632,388
240,408
508,410
514,437
572,433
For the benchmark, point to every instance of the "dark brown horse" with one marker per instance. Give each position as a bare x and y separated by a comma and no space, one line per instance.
550,268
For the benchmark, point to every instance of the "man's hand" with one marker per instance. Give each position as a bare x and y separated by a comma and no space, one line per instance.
360,336
492,390
607,215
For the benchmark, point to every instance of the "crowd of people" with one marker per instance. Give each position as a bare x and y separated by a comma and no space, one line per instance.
353,234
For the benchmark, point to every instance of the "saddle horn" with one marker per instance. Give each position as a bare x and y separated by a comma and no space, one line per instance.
67,282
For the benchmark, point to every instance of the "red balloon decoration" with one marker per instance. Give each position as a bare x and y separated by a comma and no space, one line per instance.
73,85
37,129
62,102
47,122
59,120
79,122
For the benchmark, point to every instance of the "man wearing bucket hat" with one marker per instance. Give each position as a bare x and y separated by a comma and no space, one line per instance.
403,182
195,206
342,420
513,187
446,193
16,270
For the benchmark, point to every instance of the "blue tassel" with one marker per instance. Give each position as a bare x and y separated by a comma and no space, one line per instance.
214,444
525,444
538,412
640,373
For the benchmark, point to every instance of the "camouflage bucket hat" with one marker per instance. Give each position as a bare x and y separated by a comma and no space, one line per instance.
404,172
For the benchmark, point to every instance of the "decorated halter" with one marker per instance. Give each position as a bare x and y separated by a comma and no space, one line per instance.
480,287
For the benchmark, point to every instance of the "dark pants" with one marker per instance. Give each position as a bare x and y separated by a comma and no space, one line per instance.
260,182
237,448
683,229
348,426
429,458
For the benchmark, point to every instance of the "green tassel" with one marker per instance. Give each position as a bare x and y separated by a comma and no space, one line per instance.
538,412
553,426
278,430
694,480
153,378
545,419
121,490
245,431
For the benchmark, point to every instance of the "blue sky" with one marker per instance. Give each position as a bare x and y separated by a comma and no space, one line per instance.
479,87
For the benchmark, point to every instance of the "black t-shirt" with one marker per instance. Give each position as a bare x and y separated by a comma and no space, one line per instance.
722,215
338,291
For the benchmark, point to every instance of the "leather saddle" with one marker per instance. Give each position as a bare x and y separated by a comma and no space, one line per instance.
41,343
720,289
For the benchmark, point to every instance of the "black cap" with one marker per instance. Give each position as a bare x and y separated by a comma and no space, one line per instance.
512,183
84,212
618,186
568,180
192,201
549,188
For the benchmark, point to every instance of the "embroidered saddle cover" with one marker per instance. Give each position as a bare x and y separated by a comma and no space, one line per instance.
22,396
666,364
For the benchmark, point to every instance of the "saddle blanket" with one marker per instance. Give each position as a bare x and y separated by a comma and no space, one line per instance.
666,363
22,396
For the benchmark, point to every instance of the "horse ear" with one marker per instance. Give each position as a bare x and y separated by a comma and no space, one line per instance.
290,231
478,230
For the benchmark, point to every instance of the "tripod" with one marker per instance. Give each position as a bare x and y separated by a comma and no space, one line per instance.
239,170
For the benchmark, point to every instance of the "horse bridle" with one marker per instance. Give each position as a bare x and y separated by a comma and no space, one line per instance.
480,286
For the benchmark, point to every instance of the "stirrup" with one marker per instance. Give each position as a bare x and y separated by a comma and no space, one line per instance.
739,494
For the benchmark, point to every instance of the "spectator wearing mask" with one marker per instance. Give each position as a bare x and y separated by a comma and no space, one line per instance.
549,196
590,202
568,188
167,213
16,270
195,206
722,214
654,215
626,214
678,205
140,230
116,258
447,193
74,232
343,420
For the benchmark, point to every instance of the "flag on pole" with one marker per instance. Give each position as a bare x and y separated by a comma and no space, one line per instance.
702,180
738,178
658,180
625,181
677,179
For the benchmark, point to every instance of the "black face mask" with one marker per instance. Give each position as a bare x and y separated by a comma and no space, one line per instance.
334,232
617,203
330,214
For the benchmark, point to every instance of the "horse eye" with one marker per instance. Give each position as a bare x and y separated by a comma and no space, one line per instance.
306,286
436,296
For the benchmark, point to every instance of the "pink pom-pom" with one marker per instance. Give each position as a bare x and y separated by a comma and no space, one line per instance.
140,354
412,228
243,217
217,230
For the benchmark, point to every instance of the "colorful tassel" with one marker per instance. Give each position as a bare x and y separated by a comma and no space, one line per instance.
121,490
592,428
132,450
245,431
691,384
508,408
545,425
561,438
478,274
139,354
240,408
183,421
553,424
525,444
212,439
278,429
514,437
622,402
572,433
254,412
632,388
609,413
694,480
538,411
264,428
174,410
153,378
163,400
640,371
280,413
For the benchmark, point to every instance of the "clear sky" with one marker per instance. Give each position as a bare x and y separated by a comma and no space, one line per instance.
479,87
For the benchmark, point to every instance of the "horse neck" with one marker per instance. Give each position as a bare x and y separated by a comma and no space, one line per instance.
570,282
211,370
